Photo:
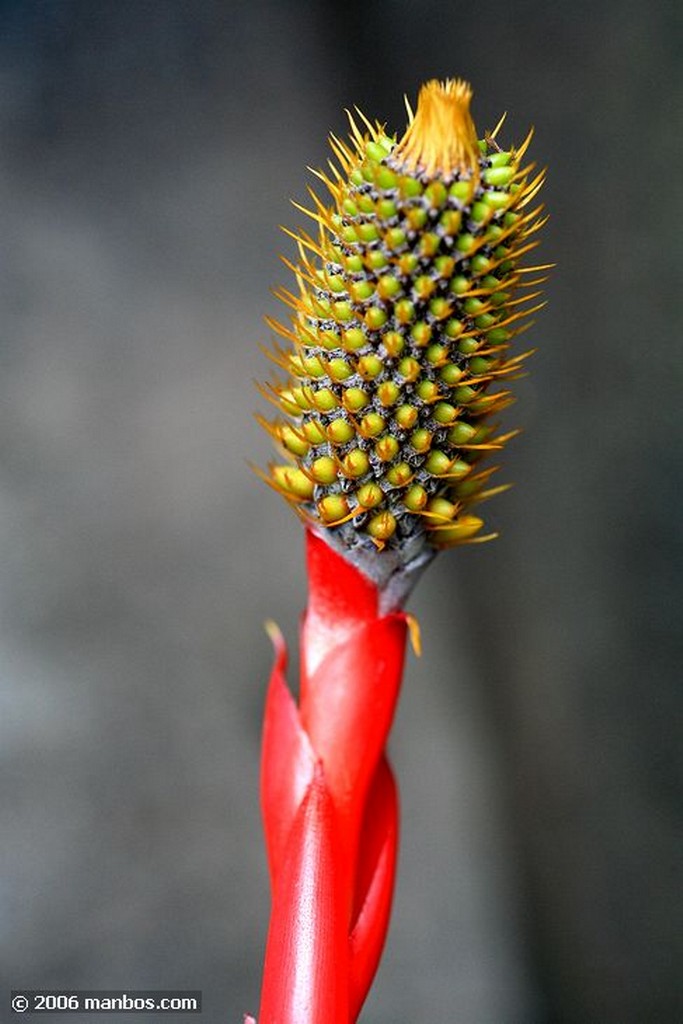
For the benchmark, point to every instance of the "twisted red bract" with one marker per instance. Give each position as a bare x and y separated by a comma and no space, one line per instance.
329,799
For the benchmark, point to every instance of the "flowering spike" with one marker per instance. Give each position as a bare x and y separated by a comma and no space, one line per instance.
407,305
398,350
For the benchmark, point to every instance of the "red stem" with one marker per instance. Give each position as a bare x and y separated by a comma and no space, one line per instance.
329,799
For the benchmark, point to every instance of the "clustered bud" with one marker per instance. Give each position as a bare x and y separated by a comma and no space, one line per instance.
408,300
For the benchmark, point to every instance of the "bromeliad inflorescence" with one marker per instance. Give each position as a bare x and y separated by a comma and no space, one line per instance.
408,299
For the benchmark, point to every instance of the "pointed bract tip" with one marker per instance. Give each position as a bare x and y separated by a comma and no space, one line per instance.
415,634
275,635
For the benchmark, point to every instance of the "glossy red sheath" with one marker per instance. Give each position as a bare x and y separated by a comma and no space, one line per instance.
329,799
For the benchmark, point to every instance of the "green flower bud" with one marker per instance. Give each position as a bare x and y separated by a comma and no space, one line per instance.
406,416
332,508
459,285
367,232
417,218
415,498
444,266
361,290
294,481
325,400
313,432
498,176
454,328
424,286
461,190
372,425
451,222
387,448
382,526
479,365
375,260
369,495
375,151
293,441
461,433
324,470
388,287
328,339
399,474
395,238
388,393
496,200
464,394
353,264
393,343
421,332
404,311
355,399
407,263
370,366
466,346
480,263
411,187
409,368
442,508
437,463
436,354
385,179
340,432
356,464
444,413
440,307
421,440
450,374
353,339
428,245
436,194
342,311
427,390
338,370
375,318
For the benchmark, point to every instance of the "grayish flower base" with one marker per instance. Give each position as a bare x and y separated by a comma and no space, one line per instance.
394,571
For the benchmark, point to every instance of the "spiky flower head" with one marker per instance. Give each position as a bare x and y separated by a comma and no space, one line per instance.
408,298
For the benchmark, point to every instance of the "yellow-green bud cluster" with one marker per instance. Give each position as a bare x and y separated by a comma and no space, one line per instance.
407,304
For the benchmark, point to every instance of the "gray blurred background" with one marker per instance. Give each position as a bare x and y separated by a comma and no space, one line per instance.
149,148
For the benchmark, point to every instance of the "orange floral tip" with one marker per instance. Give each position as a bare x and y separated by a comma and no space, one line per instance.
442,138
402,320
